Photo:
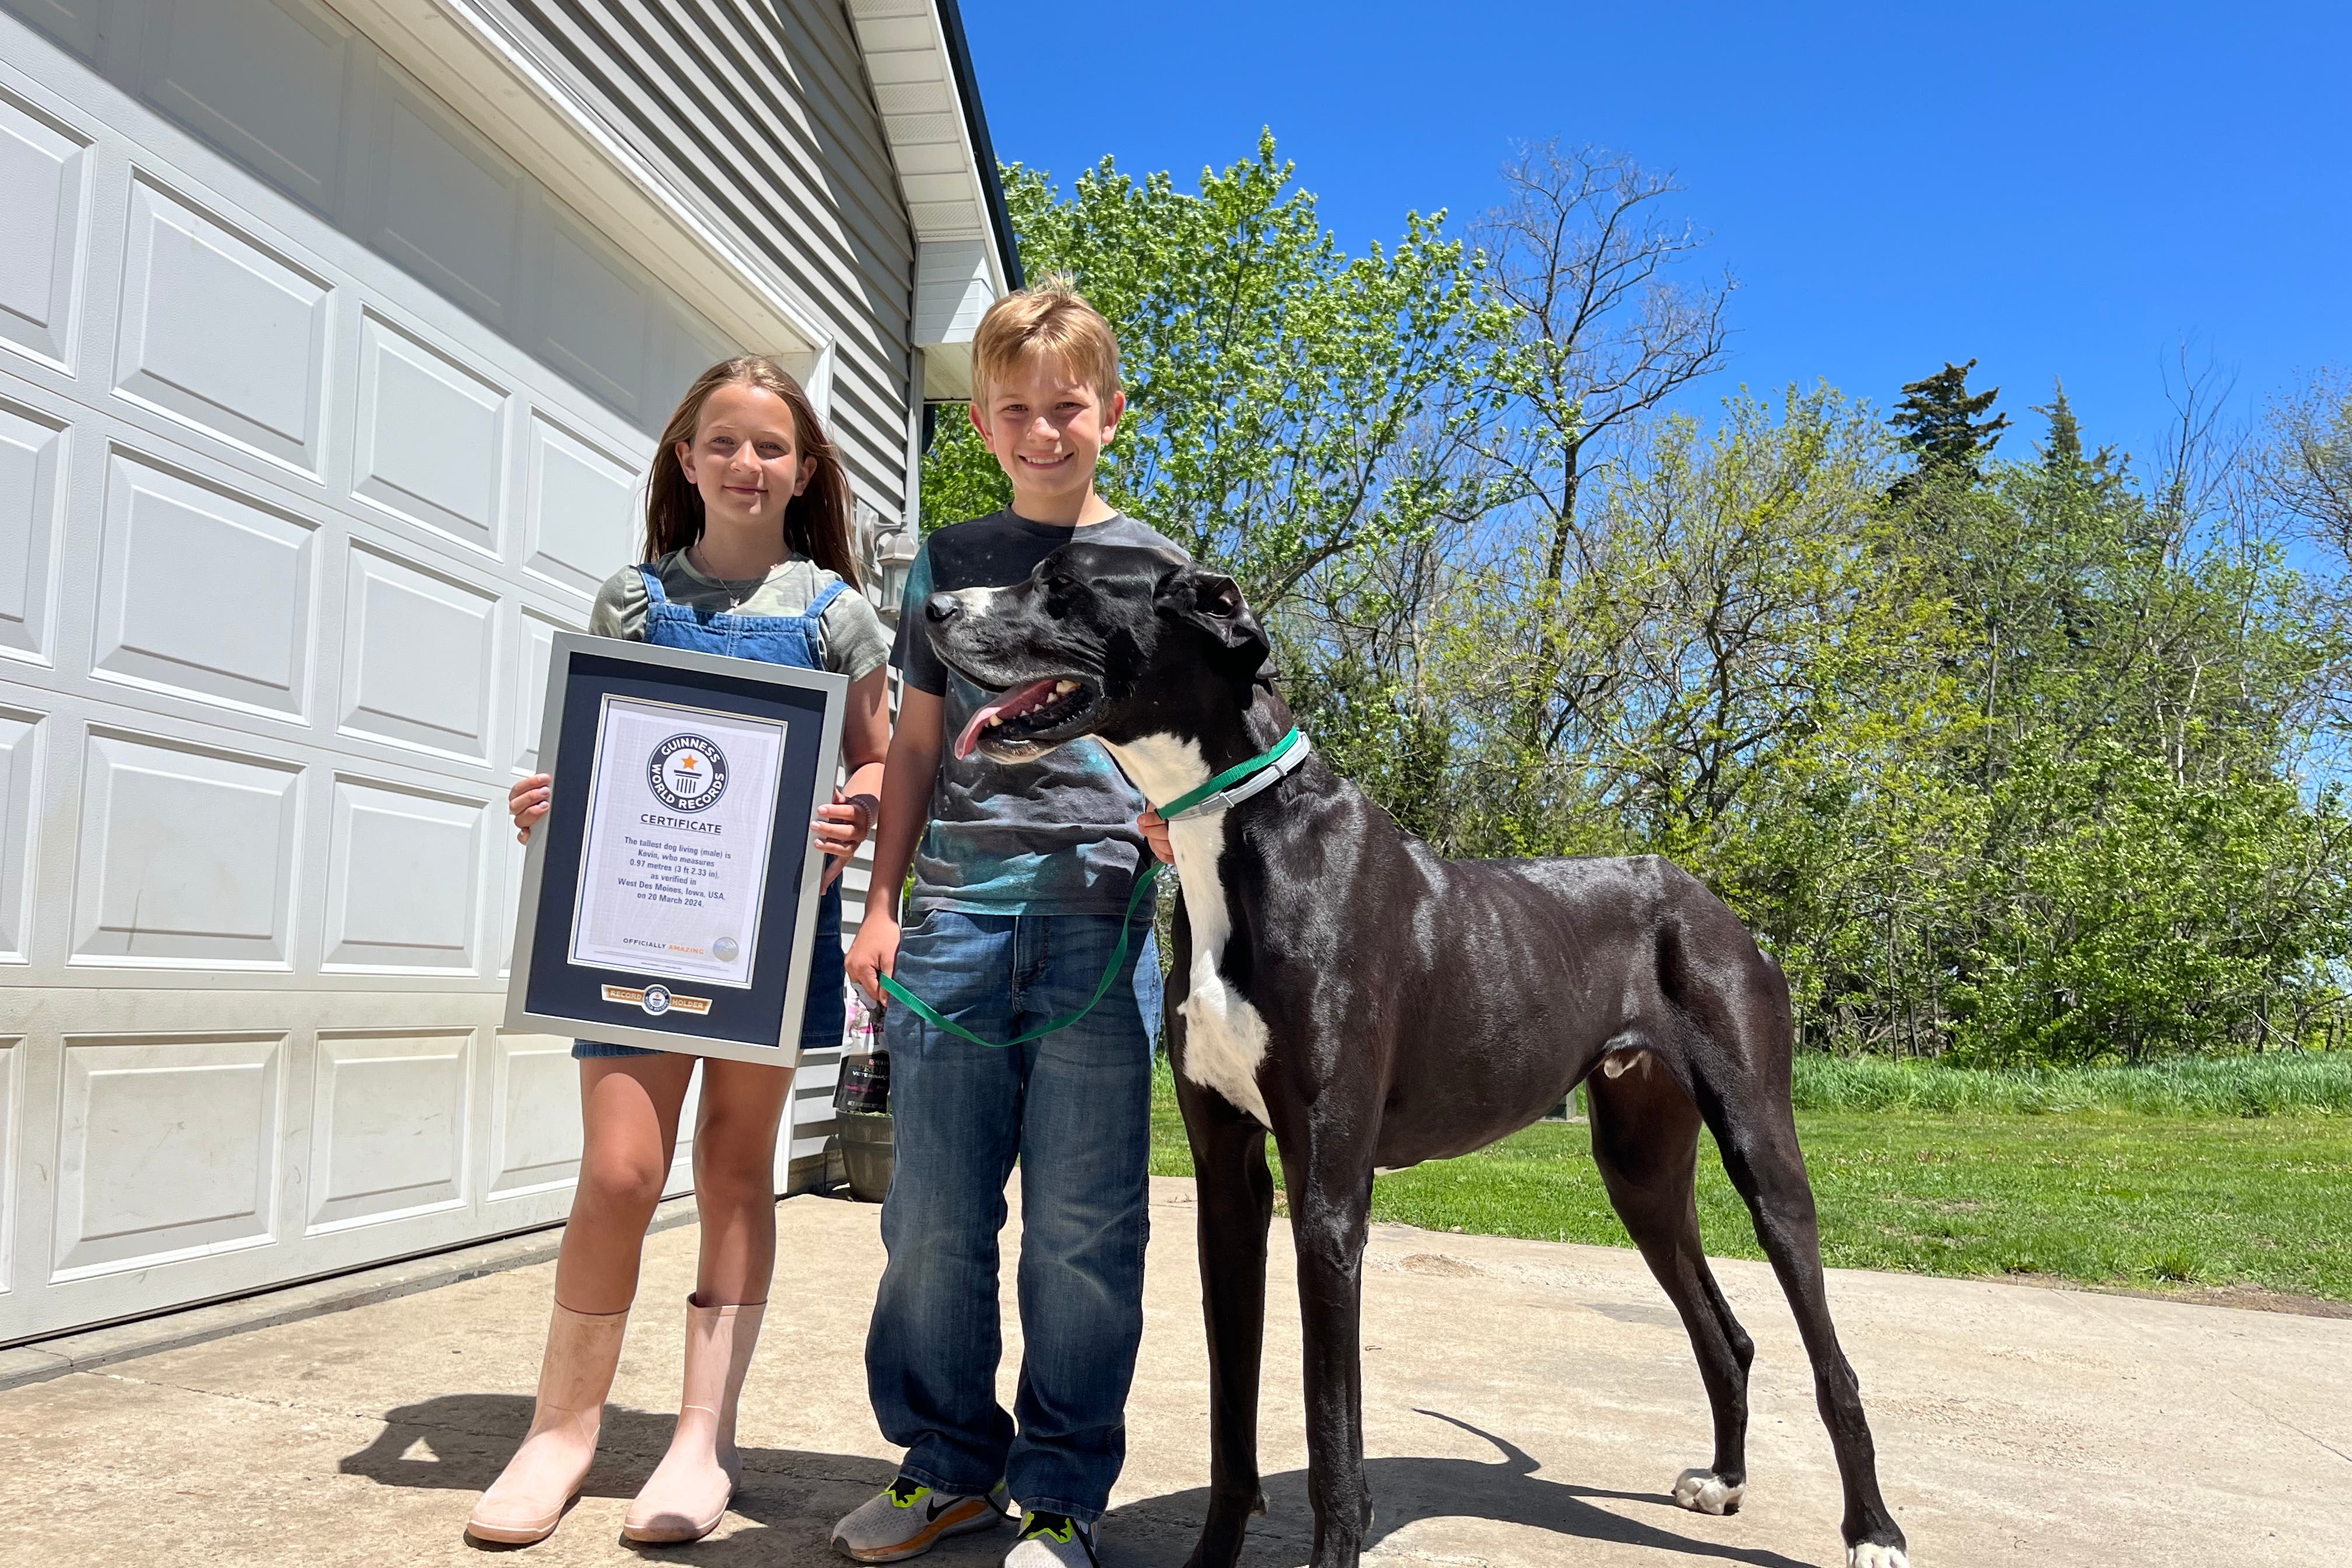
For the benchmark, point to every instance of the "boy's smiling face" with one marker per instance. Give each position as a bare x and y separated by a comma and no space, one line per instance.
1046,427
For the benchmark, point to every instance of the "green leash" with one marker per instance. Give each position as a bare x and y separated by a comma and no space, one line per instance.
1276,761
938,1020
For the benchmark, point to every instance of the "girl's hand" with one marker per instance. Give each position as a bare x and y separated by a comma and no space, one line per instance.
875,952
528,801
841,827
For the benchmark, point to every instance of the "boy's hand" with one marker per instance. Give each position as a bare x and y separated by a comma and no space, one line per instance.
873,954
841,827
1155,833
528,801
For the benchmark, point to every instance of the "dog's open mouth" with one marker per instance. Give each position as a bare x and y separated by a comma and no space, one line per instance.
1024,718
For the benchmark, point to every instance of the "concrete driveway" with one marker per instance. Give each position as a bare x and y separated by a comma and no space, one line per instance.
1526,1403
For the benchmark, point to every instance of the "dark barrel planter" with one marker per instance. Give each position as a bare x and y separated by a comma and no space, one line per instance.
861,1105
865,1150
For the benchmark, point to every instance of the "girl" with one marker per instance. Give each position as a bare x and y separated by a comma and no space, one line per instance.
746,543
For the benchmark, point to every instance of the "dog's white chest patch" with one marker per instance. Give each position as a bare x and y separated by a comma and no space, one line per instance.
1224,1036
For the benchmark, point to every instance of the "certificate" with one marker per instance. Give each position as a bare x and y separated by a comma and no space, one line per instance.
669,895
675,865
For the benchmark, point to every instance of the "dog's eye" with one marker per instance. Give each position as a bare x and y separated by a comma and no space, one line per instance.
1060,583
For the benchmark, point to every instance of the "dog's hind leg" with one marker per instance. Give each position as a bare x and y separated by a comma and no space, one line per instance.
1234,1205
1738,1057
1645,1140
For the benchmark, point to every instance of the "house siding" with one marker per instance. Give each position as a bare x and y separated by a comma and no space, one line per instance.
802,177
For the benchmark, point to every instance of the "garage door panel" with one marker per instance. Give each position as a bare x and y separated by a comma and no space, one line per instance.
531,686
509,898
221,330
42,174
419,652
32,460
187,856
12,1100
431,440
404,880
389,1116
167,1149
20,773
581,507
72,23
588,312
202,591
444,204
535,1121
264,82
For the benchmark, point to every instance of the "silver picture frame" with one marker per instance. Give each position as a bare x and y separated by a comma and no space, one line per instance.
543,919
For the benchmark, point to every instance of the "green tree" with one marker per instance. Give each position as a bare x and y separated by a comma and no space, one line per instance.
1291,408
1941,422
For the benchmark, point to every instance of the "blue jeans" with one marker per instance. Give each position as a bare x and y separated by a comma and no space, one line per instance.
1076,1109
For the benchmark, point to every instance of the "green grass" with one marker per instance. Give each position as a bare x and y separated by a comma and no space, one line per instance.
1953,1179
2298,1085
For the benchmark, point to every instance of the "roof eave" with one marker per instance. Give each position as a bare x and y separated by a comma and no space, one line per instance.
967,81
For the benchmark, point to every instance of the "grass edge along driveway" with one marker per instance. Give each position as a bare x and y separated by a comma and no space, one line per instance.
2100,1196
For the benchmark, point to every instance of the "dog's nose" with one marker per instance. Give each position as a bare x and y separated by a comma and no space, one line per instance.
942,607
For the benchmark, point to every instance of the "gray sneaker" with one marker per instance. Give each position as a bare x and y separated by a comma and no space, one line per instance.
908,1519
1053,1540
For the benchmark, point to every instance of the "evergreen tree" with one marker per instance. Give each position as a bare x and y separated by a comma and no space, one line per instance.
2063,458
2065,449
1942,423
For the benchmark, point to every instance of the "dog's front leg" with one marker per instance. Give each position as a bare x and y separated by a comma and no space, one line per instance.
1235,1205
1331,1208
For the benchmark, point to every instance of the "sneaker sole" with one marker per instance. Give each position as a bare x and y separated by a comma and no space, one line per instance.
955,1521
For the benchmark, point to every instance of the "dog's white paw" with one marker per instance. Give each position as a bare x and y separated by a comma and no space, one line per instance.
1865,1554
1704,1491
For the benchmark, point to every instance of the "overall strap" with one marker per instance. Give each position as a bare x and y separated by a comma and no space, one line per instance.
825,596
655,597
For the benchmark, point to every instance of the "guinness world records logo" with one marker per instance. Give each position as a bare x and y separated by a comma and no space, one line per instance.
686,772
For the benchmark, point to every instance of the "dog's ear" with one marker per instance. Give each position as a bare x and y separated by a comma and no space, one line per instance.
1214,603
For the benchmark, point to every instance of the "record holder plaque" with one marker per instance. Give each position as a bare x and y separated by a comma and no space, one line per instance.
669,895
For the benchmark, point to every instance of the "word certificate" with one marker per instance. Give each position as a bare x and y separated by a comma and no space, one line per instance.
674,863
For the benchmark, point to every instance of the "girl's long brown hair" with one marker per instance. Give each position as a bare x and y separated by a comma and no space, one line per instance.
817,521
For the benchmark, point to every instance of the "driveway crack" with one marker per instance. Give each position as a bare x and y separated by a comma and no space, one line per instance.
2291,1427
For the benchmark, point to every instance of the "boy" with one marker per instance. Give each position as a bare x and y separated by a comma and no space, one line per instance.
1022,878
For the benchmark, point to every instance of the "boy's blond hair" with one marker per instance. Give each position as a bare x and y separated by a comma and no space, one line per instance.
1052,317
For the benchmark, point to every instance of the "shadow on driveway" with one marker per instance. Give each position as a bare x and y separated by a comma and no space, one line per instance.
459,1443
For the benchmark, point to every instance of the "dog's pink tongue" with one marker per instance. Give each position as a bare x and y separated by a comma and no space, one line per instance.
1019,701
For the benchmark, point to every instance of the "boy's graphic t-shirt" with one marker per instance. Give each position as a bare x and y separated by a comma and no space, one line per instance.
1056,835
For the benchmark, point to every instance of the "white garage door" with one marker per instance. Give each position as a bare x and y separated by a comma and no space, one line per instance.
283,535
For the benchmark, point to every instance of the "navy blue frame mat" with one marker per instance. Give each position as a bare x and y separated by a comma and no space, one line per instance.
560,988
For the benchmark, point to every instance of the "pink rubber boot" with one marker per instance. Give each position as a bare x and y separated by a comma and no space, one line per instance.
688,1494
528,1500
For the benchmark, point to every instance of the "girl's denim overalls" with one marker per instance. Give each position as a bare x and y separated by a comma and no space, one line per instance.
775,639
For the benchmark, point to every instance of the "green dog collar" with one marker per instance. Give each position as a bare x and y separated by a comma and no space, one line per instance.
1241,781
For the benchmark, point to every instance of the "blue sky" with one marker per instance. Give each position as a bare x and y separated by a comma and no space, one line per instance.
2066,189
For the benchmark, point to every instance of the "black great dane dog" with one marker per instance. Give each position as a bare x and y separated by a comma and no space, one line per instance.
1373,1006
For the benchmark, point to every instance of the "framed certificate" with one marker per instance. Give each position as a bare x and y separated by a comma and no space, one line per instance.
669,895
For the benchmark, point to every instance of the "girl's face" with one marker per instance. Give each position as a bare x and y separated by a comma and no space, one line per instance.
745,459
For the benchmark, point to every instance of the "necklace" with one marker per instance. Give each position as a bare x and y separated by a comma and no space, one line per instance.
734,600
